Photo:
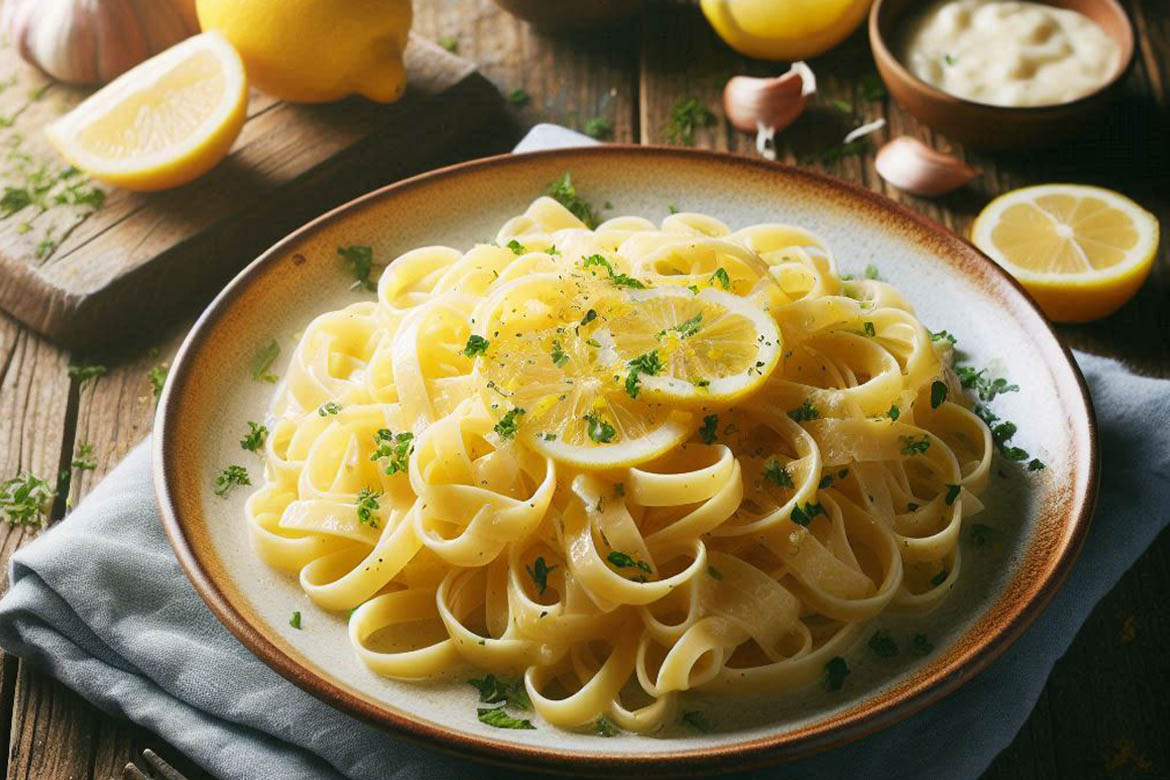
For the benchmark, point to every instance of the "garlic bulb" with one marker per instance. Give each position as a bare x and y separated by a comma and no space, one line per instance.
765,106
911,165
92,41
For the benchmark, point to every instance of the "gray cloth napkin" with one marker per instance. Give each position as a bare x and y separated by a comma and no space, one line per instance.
100,602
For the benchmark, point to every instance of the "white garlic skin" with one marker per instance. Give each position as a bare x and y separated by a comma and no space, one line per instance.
90,42
911,165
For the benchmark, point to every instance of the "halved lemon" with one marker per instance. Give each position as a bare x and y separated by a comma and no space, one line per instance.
162,123
1081,251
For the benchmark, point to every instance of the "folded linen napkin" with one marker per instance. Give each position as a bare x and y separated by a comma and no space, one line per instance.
99,601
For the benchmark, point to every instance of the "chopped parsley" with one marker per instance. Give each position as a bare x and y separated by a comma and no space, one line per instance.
507,426
939,578
619,489
826,482
26,500
872,88
257,433
85,374
836,670
394,448
714,573
476,345
328,408
519,97
647,363
516,247
264,360
295,620
872,272
1036,465
673,209
367,505
686,115
894,412
589,317
502,720
624,561
696,720
538,571
948,59
868,329
943,335
564,192
981,534
843,106
684,329
986,389
722,277
449,42
777,475
708,429
604,727
806,411
599,127
621,280
804,516
598,429
559,358
952,493
882,644
938,393
834,153
360,261
84,458
913,446
157,376
494,690
231,476
920,645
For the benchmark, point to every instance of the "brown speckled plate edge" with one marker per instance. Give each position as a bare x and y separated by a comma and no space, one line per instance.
1014,610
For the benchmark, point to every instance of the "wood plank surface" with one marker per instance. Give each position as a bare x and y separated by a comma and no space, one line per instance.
1103,709
85,276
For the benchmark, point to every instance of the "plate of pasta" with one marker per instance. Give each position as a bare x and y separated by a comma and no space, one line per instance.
625,457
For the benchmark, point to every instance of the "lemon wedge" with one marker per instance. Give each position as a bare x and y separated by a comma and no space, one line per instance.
1081,251
162,123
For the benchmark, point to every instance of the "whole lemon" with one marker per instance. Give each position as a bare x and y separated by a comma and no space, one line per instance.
316,51
784,29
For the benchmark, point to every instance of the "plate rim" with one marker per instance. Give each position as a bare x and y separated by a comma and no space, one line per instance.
829,732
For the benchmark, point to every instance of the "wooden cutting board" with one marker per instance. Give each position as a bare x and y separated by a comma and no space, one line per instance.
86,264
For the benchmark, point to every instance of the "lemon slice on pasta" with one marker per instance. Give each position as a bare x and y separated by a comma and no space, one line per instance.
552,375
696,346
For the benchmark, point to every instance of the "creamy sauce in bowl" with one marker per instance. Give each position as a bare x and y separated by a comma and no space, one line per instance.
1008,52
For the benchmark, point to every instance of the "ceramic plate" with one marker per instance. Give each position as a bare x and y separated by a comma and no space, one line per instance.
1037,519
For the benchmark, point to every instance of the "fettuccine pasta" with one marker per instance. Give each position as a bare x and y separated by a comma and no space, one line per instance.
622,463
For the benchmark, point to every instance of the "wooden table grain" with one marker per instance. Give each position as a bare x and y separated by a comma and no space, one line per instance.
1104,709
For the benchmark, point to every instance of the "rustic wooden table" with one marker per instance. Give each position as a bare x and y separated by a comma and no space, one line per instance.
1104,710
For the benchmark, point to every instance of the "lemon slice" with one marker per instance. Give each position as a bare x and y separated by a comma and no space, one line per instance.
552,376
1081,251
705,347
162,123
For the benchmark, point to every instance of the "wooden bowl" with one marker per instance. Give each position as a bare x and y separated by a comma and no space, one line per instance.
569,15
997,127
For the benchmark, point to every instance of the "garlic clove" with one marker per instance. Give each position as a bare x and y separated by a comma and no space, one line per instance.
911,165
751,103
